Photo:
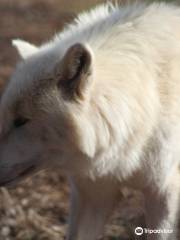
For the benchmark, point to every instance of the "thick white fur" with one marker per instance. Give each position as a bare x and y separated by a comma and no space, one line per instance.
127,130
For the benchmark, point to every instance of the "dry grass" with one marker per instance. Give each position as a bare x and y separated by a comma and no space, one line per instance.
38,208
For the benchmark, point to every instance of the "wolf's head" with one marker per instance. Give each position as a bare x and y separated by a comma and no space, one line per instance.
39,110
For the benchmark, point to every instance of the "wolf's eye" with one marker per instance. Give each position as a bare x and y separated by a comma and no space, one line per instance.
18,122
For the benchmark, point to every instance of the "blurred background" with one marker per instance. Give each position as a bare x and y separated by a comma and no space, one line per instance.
37,209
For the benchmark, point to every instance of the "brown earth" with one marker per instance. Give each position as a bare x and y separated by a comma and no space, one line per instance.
37,209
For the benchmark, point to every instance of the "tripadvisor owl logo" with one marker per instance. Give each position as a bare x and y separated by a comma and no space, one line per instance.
139,231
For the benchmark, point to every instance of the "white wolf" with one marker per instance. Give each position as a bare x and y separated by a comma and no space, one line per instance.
102,102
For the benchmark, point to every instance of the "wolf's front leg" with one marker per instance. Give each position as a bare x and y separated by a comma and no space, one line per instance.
91,203
162,211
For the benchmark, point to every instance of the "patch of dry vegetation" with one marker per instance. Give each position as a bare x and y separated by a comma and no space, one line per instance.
38,208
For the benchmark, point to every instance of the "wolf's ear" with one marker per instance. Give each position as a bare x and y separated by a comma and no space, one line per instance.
24,48
75,71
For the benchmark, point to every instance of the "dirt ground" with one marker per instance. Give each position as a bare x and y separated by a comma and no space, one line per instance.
37,209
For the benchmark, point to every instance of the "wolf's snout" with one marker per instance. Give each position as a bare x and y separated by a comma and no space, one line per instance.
14,175
27,171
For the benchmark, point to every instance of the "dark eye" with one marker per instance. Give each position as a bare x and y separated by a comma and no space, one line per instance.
18,122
